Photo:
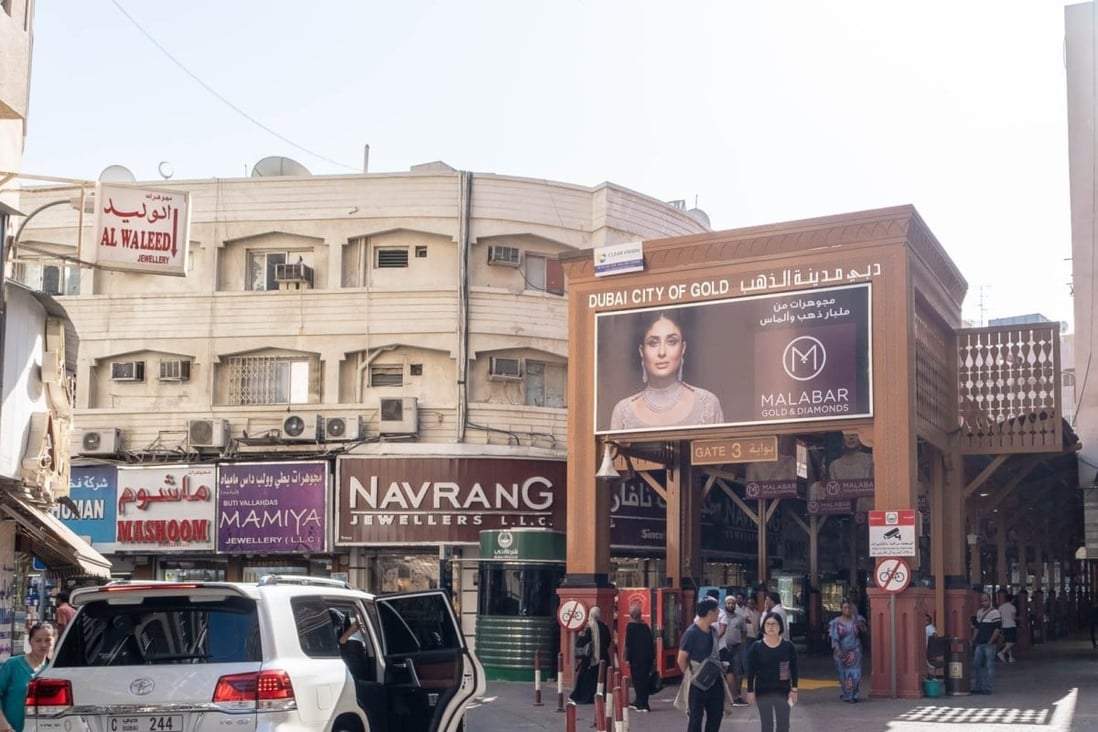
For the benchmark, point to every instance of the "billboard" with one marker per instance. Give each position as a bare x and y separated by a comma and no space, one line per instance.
93,489
388,500
272,507
788,357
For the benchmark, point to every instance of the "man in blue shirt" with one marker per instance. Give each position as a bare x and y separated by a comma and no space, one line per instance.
700,641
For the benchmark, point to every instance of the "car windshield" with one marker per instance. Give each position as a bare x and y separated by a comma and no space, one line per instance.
162,630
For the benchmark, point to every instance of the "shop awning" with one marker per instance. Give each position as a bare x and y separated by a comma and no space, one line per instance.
52,542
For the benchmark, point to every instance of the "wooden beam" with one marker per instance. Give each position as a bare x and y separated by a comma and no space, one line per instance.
986,473
739,502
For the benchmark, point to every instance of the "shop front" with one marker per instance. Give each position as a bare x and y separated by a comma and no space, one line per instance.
416,522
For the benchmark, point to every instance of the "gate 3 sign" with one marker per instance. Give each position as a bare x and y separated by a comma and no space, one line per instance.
892,533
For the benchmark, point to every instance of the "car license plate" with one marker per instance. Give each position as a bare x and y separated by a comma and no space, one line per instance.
146,723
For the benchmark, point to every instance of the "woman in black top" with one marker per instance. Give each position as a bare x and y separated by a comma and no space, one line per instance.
771,670
640,654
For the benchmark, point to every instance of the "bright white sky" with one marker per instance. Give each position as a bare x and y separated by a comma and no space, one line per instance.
757,111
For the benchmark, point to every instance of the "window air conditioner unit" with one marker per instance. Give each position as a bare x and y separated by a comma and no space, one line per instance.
504,256
293,276
207,432
341,429
301,427
505,369
178,369
127,371
106,441
399,416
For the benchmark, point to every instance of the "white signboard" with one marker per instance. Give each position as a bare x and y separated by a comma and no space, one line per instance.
140,230
616,259
166,509
892,533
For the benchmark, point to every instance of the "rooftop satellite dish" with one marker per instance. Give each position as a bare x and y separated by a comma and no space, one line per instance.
277,165
117,174
165,169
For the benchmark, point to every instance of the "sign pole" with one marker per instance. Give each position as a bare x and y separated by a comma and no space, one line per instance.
892,640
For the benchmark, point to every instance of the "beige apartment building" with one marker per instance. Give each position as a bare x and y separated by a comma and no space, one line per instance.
406,332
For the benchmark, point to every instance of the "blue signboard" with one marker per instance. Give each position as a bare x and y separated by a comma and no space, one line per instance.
94,493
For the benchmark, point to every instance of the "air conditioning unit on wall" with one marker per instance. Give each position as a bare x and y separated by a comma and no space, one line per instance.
504,256
105,441
208,432
399,416
301,427
504,369
340,429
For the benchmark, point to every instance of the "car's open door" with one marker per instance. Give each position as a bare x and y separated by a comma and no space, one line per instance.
430,676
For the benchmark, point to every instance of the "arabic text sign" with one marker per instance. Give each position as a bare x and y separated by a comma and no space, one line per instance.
93,490
166,508
743,450
140,230
272,507
892,533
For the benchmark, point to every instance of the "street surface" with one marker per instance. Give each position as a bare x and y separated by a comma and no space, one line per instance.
1052,688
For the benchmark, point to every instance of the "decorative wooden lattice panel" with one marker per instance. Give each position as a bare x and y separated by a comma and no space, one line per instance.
933,398
1009,395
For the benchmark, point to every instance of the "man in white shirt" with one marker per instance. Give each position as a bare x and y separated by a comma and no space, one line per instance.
752,615
1009,614
774,605
731,650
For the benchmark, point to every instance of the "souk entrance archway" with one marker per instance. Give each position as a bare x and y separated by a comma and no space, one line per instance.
807,370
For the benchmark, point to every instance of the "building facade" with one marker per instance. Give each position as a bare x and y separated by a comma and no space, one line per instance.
405,332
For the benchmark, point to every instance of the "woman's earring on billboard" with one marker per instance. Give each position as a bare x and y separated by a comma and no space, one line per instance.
681,364
644,372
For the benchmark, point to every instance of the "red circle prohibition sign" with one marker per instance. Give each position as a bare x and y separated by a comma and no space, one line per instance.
892,574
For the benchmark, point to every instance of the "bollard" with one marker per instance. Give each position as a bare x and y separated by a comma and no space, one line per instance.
626,685
570,717
560,682
609,710
600,687
537,678
600,713
619,711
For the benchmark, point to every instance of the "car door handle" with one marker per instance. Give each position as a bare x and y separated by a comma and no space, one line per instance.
410,667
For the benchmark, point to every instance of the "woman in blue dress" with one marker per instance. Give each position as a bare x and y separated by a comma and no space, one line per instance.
17,672
846,647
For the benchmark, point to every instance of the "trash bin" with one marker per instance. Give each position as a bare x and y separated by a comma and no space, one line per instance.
959,678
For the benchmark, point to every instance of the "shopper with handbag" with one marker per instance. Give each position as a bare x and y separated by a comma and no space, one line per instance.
703,691
592,646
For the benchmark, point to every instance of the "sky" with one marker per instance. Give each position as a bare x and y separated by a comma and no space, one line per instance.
754,111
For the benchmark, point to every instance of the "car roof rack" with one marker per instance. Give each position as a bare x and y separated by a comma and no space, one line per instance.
301,579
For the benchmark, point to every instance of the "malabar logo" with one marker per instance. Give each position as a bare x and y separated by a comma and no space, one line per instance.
804,358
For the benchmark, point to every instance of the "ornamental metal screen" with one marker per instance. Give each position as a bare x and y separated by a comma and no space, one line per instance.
1009,389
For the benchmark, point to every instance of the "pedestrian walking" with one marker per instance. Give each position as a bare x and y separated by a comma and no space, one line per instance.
846,633
732,647
770,666
986,629
702,692
1008,611
592,646
17,672
640,654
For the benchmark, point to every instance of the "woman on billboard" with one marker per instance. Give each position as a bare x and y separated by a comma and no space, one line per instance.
667,400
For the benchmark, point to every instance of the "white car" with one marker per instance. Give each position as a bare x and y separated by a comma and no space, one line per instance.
289,653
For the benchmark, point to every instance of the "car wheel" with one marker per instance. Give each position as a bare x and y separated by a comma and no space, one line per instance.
348,723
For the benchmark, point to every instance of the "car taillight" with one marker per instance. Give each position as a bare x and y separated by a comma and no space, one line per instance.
48,696
261,691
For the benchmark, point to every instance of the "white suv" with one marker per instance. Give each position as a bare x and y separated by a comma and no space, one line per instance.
290,653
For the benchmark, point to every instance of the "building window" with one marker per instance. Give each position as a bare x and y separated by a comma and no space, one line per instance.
1067,379
386,376
271,379
543,274
421,251
391,258
267,269
416,369
546,384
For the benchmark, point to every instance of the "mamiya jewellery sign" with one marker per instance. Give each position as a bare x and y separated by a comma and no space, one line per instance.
788,357
140,230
